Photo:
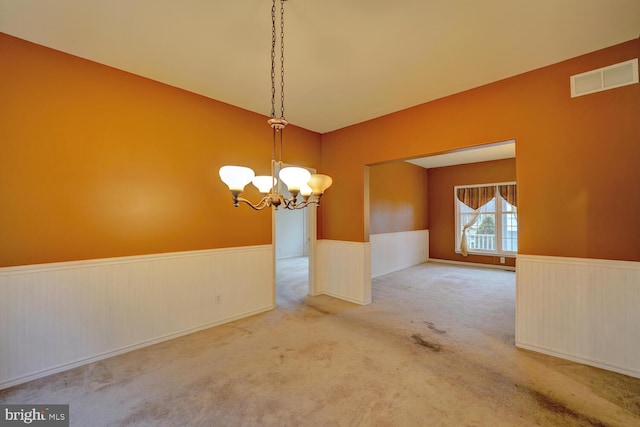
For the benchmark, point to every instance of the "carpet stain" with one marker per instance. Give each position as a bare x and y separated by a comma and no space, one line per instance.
509,339
318,309
101,382
427,344
147,412
434,329
557,407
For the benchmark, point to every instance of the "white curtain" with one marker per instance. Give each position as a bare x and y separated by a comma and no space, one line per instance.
464,245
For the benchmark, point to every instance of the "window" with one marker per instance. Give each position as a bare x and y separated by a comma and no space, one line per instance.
486,219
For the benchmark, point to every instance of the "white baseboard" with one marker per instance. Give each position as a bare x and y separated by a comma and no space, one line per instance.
582,360
59,316
473,264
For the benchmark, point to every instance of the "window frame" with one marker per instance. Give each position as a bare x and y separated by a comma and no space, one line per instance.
497,212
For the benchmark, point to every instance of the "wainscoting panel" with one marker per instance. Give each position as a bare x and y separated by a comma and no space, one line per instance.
58,316
395,251
584,310
344,270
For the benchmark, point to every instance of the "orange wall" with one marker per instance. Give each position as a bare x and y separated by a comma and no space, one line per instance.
96,162
442,209
573,156
398,198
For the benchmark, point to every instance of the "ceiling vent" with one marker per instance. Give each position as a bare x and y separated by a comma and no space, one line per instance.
622,74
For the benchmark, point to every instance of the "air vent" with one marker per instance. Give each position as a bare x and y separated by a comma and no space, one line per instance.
622,74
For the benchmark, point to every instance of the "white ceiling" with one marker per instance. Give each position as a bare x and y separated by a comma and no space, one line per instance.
496,151
346,61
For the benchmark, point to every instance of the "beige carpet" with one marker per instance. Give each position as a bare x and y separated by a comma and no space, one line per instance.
435,348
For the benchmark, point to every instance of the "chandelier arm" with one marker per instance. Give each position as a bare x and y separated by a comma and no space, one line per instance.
263,203
293,204
308,202
300,206
289,203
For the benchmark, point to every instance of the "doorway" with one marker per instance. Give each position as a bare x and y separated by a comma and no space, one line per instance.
411,204
294,237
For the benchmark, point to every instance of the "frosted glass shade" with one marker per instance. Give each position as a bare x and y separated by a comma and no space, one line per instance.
305,190
264,183
236,177
319,183
294,177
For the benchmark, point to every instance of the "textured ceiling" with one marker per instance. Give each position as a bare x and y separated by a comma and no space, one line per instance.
346,61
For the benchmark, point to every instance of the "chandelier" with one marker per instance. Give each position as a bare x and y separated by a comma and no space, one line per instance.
299,181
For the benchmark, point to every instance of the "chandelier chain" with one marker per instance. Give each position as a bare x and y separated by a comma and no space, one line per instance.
273,59
298,180
282,59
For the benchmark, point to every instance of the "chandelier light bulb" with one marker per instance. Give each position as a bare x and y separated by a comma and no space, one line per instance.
236,177
264,183
319,183
294,177
305,190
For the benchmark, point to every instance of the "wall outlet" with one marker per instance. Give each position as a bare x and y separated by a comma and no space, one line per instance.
501,260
